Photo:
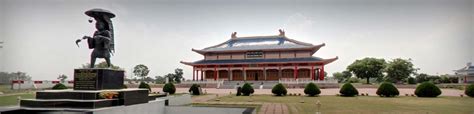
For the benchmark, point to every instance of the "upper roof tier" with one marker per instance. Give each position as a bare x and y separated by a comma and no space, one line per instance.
467,70
260,43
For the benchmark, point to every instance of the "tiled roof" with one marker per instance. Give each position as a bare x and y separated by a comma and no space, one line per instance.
467,68
254,61
258,43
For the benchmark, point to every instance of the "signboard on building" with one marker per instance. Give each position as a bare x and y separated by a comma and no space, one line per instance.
254,54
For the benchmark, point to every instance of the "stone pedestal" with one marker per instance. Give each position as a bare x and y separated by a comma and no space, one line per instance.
98,79
88,99
88,85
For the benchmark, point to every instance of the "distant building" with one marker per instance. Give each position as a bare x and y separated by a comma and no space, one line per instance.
466,74
260,58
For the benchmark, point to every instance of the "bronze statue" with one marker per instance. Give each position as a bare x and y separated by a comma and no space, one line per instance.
103,39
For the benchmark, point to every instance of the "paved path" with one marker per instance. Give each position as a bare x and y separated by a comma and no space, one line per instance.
274,108
334,91
267,108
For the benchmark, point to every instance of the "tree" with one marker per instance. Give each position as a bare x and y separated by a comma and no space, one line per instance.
434,79
411,80
346,74
6,78
399,69
141,71
178,75
342,76
448,79
148,79
338,76
62,77
368,68
102,64
21,76
170,77
422,77
160,79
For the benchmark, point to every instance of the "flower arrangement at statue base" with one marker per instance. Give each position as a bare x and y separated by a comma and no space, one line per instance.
108,94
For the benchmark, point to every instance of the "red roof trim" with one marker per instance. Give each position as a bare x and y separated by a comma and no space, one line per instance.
313,50
324,61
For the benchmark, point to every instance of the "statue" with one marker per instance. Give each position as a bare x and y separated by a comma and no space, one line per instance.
103,39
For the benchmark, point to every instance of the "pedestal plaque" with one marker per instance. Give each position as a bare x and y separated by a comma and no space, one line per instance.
98,79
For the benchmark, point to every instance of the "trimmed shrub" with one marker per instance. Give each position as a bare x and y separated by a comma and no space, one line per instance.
279,90
427,89
144,86
239,91
348,90
194,89
312,89
169,88
387,89
247,89
469,90
59,86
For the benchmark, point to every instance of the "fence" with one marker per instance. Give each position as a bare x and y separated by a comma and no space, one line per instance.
43,84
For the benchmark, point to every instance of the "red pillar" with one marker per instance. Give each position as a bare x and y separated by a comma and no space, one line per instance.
295,72
202,75
215,73
194,72
244,74
312,72
321,73
465,79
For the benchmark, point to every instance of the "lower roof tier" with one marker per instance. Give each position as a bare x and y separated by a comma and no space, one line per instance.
316,60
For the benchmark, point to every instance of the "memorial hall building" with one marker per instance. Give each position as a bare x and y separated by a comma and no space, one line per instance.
260,58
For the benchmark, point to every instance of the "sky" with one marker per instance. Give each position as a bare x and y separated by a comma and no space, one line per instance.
39,35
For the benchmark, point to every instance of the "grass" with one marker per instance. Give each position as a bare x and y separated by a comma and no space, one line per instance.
366,104
6,89
9,100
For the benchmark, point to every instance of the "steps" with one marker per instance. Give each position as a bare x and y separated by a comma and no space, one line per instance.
255,84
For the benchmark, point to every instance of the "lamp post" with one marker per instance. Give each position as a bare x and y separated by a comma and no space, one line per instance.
19,81
302,99
318,106
217,97
18,99
250,98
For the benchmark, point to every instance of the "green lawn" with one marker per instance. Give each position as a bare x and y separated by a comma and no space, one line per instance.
364,104
6,89
8,100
